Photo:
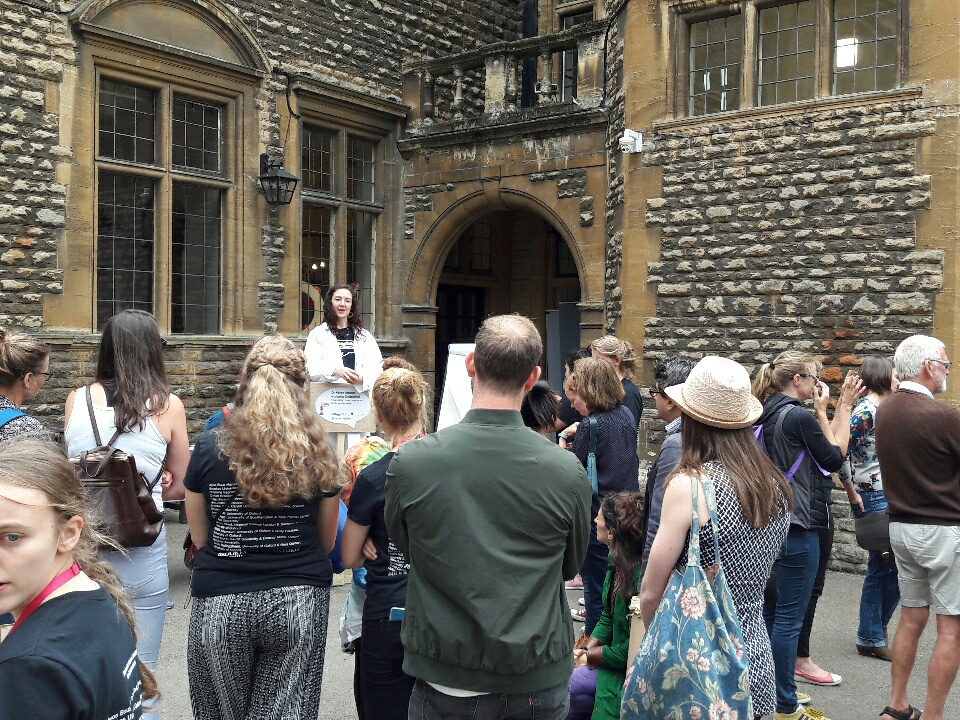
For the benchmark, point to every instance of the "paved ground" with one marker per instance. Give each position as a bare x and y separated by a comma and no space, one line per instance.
864,691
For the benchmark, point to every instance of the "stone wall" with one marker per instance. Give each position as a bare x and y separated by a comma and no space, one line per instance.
203,375
792,231
364,44
34,51
615,96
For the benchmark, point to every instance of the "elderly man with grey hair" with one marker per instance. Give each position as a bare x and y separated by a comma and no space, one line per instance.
918,445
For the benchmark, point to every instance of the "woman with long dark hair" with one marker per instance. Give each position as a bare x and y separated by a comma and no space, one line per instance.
596,685
752,499
881,591
71,653
130,391
341,350
399,399
262,503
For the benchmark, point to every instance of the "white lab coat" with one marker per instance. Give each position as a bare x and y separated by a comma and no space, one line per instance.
323,357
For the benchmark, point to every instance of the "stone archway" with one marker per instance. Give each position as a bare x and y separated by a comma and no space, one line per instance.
527,238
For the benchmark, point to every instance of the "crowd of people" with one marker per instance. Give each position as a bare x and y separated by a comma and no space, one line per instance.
462,540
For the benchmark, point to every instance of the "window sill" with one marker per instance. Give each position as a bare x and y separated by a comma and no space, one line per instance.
838,102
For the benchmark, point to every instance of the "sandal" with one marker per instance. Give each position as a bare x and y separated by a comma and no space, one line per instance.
911,713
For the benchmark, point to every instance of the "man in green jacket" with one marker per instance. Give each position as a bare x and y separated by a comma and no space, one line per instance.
493,517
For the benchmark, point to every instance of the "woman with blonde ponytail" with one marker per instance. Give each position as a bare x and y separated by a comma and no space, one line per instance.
382,689
72,652
619,353
262,503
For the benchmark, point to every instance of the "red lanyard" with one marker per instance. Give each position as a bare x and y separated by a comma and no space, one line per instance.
66,576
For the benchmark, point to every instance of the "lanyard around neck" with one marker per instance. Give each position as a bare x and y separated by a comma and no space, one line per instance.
63,578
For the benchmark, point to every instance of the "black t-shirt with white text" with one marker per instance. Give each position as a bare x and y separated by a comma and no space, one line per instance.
387,575
74,658
346,339
251,549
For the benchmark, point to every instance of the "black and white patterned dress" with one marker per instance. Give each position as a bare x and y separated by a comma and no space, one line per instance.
747,554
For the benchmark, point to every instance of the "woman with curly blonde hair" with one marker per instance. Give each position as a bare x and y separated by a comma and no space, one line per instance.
262,503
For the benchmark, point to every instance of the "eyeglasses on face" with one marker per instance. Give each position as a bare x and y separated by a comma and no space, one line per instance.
946,363
654,391
47,374
816,378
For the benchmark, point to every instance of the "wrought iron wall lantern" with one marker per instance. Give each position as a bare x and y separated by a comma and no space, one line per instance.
277,184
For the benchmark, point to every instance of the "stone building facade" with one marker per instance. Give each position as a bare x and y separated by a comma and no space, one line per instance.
794,185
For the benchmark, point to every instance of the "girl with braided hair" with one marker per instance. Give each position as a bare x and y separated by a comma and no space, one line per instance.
262,503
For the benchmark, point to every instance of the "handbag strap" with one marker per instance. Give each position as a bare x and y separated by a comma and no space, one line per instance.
693,550
593,435
8,414
711,493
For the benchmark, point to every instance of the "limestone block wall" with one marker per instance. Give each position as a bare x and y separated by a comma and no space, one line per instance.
34,51
792,231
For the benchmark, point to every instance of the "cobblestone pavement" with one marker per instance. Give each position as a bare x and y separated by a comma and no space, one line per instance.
863,693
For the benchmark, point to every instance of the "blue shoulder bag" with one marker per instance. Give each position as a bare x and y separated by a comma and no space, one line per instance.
693,660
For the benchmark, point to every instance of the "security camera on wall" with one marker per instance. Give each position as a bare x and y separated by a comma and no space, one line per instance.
631,141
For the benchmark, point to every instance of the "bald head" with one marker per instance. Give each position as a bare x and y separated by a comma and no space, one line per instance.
508,348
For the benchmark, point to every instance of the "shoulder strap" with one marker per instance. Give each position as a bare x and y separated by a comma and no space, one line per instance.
778,430
8,414
93,419
593,435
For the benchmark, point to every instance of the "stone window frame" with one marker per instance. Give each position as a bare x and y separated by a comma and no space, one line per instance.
169,74
686,12
343,125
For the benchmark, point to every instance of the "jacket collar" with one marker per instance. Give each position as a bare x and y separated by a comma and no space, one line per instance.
483,416
910,386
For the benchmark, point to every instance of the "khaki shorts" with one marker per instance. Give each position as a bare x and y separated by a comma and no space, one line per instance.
928,565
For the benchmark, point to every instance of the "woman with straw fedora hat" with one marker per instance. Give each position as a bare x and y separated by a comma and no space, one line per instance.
752,502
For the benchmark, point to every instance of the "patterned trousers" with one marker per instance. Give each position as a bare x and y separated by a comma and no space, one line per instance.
258,655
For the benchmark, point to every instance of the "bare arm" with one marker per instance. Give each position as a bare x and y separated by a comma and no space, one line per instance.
327,520
173,425
351,544
675,522
196,507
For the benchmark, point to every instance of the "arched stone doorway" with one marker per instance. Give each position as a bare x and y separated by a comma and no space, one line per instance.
508,261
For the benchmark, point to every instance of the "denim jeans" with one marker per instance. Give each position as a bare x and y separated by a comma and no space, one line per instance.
593,572
826,547
143,573
385,689
881,592
427,703
796,571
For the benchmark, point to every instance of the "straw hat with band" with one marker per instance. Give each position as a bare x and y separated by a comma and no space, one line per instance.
717,393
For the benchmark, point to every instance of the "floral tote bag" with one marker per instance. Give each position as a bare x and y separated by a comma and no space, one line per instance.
692,663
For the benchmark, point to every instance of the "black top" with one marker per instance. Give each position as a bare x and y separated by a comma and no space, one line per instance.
345,339
251,549
568,413
387,575
72,659
632,399
801,431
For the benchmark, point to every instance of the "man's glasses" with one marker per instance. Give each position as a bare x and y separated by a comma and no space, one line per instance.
816,378
654,391
946,363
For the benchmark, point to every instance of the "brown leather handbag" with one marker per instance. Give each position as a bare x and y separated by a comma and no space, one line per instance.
118,496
